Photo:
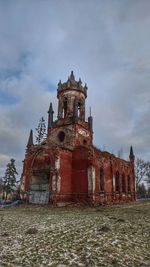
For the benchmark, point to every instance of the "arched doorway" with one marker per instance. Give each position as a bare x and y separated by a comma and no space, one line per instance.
40,179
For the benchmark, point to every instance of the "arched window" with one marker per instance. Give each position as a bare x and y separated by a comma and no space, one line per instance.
117,182
123,184
64,107
101,180
129,187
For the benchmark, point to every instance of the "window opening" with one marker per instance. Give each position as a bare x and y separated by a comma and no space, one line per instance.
61,136
117,182
129,188
123,184
101,179
65,108
79,110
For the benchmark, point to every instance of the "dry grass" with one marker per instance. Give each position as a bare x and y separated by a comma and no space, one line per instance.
75,236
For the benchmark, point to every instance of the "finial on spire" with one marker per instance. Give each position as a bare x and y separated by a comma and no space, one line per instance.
30,140
131,155
72,77
79,82
85,87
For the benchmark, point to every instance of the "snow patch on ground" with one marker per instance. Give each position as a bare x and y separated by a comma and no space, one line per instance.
102,236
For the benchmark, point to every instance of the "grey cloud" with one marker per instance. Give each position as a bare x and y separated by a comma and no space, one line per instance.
106,43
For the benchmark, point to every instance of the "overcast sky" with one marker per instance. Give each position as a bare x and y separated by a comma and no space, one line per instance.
106,43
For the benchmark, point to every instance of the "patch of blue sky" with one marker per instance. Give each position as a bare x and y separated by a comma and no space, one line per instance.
6,99
10,73
25,59
18,70
48,86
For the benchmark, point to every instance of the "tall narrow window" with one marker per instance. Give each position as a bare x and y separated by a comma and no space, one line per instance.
117,182
123,184
65,108
79,110
101,179
129,188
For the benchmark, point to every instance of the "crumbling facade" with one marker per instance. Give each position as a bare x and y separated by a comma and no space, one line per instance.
66,167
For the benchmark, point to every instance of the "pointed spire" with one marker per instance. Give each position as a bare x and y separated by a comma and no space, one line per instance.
72,77
51,108
79,82
131,155
59,85
30,140
90,122
85,87
50,116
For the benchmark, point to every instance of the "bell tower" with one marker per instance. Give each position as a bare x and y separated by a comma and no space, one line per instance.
71,100
71,124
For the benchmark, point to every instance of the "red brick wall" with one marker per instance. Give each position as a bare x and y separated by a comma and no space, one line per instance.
80,175
74,174
66,171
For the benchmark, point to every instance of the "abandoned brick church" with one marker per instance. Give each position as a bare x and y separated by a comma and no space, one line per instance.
66,167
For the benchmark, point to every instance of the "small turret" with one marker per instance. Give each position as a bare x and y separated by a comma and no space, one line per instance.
131,155
85,86
59,85
30,140
79,82
50,116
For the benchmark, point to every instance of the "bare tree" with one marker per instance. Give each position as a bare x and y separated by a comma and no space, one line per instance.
148,192
147,178
140,170
141,191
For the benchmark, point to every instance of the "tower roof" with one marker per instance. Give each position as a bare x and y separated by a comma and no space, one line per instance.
131,155
72,77
72,84
30,140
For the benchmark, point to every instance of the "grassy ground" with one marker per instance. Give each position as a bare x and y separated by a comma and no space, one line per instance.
75,236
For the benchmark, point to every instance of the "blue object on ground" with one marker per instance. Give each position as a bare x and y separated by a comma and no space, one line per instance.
15,203
1,201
